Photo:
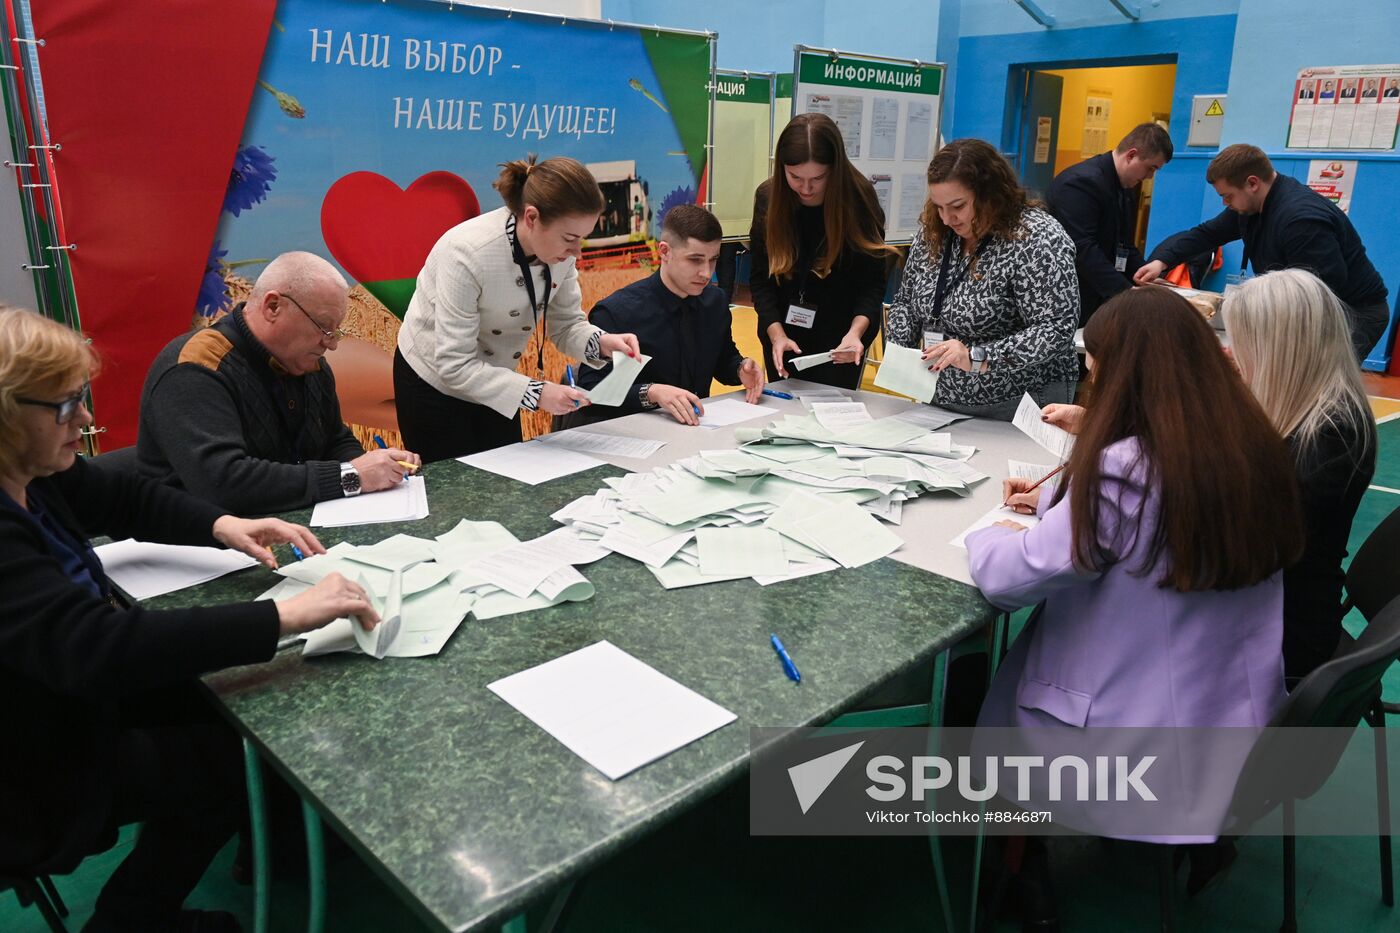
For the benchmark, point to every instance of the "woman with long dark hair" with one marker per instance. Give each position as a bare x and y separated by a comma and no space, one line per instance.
992,275
1157,563
818,253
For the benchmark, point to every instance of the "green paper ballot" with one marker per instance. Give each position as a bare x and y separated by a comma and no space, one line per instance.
903,371
613,389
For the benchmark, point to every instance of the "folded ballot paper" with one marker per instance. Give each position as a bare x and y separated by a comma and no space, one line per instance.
803,495
422,589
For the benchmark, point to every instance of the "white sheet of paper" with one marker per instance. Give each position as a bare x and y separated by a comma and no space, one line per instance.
404,502
1019,469
377,641
810,360
1056,440
144,570
991,518
837,415
796,571
531,462
725,411
930,416
612,390
610,709
904,371
616,445
750,551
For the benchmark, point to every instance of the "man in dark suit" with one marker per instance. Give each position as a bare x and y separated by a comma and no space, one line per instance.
1391,92
681,321
1284,225
1094,203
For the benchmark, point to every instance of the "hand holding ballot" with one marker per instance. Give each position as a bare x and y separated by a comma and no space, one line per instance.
1067,417
849,350
334,597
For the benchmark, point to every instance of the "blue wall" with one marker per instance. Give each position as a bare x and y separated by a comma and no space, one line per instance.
1272,43
1202,48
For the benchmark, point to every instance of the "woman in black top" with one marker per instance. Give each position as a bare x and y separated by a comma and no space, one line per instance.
103,722
1290,338
818,256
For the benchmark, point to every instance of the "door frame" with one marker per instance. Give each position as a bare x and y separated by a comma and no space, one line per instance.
1019,73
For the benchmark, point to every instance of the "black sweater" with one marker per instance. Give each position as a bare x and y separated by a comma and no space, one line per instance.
70,661
215,420
1297,229
1332,475
855,286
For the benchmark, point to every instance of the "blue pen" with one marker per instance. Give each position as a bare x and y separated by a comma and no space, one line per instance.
403,463
695,408
776,394
569,374
296,552
788,666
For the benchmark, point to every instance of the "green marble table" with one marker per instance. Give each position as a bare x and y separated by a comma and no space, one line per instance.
469,810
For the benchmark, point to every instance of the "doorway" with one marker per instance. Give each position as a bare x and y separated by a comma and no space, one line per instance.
1073,111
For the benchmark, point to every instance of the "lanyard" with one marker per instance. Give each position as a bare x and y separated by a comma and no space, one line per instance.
945,288
539,311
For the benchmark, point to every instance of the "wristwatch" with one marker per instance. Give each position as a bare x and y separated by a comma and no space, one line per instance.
977,355
349,480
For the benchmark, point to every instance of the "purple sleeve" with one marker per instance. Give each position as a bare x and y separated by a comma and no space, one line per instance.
1020,568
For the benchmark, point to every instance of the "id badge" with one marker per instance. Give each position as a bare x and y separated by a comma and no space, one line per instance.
1120,259
931,337
799,316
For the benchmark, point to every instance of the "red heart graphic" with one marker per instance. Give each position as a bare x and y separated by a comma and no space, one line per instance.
378,231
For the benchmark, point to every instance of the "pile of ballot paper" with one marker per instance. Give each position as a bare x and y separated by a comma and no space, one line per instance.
422,589
801,496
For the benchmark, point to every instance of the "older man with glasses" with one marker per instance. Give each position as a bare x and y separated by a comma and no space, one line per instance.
244,413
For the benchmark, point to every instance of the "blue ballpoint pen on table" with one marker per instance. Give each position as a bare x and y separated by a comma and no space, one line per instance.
296,552
776,394
569,373
788,666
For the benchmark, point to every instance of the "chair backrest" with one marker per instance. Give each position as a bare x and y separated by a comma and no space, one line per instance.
1373,579
1332,699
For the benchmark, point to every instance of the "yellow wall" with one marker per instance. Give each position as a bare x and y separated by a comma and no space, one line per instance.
1137,93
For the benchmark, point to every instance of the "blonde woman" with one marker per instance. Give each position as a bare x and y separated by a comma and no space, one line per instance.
104,720
1291,339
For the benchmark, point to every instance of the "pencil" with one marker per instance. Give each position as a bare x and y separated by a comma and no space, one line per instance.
1036,484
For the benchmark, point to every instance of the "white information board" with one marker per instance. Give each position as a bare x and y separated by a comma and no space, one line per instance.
888,111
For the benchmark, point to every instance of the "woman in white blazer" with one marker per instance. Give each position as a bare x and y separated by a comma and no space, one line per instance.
483,289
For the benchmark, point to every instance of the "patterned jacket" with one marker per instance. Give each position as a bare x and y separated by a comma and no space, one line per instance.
1020,302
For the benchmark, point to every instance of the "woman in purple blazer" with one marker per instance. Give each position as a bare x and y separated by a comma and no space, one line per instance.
1157,560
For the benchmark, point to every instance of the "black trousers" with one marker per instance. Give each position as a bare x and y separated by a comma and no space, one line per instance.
184,780
437,426
1368,323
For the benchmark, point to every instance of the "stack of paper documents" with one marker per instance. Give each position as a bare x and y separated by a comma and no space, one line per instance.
404,502
422,589
803,495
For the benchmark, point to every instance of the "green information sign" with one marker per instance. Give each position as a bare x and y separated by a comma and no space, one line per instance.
745,90
821,68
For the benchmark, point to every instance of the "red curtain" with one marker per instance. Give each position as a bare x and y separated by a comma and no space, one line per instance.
147,99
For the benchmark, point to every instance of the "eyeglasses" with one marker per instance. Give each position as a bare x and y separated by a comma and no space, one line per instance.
336,334
64,410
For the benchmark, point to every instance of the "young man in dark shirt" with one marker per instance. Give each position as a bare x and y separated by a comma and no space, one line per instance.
681,321
1284,225
1094,202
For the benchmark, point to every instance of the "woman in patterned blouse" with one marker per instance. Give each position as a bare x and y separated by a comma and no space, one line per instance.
990,280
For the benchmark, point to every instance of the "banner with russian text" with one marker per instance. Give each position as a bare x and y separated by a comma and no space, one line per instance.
376,127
